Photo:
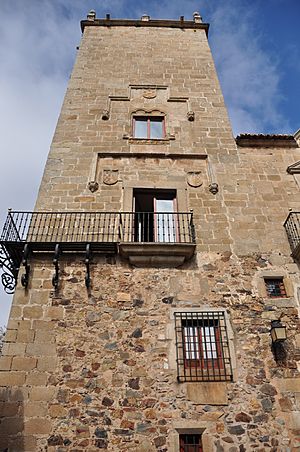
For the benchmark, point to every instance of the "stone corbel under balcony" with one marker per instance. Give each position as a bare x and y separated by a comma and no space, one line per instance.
145,254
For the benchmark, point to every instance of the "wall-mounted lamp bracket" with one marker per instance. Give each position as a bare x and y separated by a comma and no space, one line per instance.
25,276
88,256
278,336
277,331
55,277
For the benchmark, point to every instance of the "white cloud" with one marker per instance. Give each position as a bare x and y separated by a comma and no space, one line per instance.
38,46
32,80
249,76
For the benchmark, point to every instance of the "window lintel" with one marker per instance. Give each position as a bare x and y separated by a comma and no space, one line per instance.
148,113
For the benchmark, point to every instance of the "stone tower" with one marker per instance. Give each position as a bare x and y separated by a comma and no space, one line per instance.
156,305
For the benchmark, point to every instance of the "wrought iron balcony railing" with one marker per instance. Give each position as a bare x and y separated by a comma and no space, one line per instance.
41,229
157,227
29,232
292,227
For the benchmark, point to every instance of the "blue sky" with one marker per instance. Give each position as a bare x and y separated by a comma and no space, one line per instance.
281,38
255,46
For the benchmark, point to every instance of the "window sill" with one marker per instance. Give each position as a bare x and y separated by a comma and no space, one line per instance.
212,393
133,140
281,302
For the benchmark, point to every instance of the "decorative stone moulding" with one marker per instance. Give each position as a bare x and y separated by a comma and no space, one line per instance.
149,94
191,115
105,115
197,18
133,140
110,176
146,21
147,112
213,188
93,186
91,15
194,179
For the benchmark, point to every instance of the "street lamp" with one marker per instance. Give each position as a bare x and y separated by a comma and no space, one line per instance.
278,331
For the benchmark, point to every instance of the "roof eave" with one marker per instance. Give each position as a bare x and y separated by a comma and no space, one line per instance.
183,24
260,140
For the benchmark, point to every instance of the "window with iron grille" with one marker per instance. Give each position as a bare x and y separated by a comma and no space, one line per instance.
275,287
202,346
149,127
190,443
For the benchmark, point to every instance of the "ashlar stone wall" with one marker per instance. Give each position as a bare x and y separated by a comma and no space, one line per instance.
258,195
128,69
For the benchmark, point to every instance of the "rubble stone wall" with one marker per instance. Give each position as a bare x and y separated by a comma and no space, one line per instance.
94,370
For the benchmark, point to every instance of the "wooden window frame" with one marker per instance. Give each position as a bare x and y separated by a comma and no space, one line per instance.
202,349
169,221
194,446
174,218
149,119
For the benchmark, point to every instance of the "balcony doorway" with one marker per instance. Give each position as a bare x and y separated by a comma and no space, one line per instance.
155,218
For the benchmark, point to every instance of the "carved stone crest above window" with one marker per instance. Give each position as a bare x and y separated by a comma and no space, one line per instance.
149,94
194,179
161,94
110,176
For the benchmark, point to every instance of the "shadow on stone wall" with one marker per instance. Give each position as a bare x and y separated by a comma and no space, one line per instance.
11,420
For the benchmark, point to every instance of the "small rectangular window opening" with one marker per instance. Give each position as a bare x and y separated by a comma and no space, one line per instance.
190,442
275,287
202,347
149,127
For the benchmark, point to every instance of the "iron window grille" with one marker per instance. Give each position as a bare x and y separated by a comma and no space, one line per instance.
275,288
202,347
190,443
149,127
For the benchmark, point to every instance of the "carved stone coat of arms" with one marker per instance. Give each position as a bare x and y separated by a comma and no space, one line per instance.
194,179
110,176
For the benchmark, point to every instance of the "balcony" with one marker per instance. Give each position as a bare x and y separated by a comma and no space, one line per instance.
144,238
159,239
292,227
